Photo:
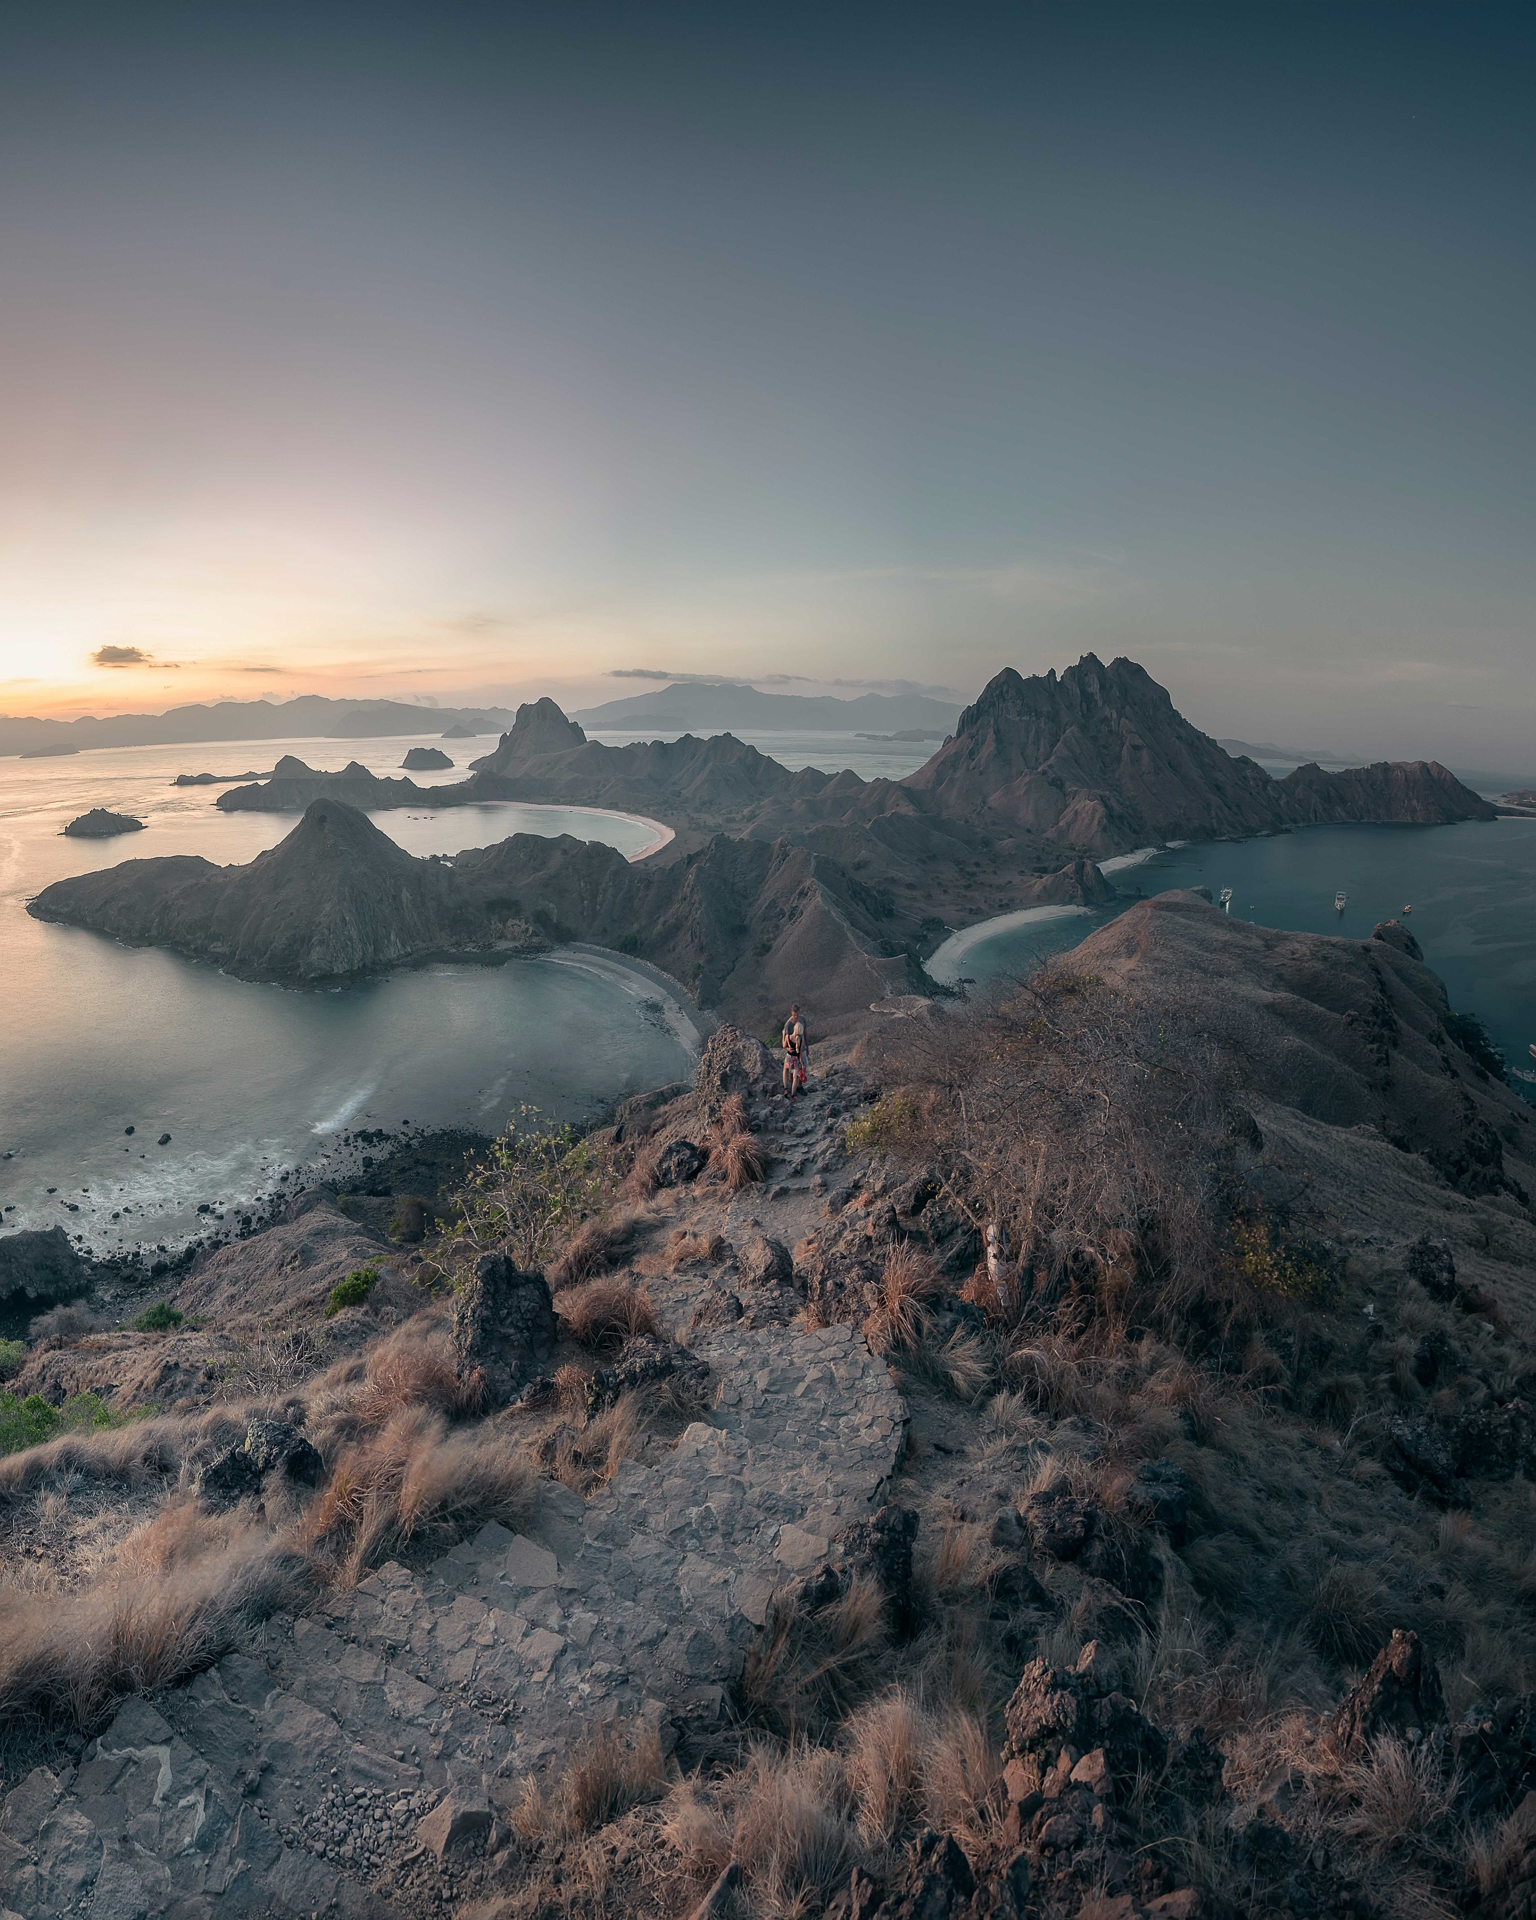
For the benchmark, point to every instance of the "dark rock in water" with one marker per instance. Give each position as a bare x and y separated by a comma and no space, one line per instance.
504,1324
679,1162
41,1264
228,1478
642,1363
1401,1694
274,1445
164,1140
1394,934
424,759
1433,1265
732,1062
127,1129
766,1263
98,824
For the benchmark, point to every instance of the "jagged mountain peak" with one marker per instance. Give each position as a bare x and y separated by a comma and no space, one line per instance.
332,833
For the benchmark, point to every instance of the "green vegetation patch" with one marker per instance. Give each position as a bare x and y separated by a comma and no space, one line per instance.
29,1422
890,1123
1275,1262
159,1318
351,1292
534,1186
12,1353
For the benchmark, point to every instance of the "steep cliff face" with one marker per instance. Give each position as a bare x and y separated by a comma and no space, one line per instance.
1349,1032
335,897
1419,792
1098,759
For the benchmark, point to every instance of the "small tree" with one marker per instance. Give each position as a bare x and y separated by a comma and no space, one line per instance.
534,1186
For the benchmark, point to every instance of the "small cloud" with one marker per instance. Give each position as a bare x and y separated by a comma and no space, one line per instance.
122,657
477,620
258,669
682,679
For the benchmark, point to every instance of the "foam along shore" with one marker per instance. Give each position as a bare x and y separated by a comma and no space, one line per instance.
676,1009
944,964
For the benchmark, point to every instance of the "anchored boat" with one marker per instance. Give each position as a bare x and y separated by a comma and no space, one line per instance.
1226,898
1338,901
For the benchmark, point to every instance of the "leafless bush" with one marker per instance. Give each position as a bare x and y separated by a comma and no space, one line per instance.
62,1326
274,1362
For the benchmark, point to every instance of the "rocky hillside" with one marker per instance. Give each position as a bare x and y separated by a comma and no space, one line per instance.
1075,1465
292,786
1099,759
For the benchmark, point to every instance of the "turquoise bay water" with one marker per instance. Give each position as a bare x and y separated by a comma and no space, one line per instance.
247,1079
1472,888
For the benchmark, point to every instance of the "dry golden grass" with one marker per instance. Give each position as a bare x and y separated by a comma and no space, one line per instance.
596,1245
604,1313
133,1455
740,1159
809,1668
734,1117
410,1475
615,1770
189,1588
909,1285
683,1247
1400,1795
588,1458
885,1741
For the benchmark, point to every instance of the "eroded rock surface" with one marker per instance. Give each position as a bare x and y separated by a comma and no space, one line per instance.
334,1766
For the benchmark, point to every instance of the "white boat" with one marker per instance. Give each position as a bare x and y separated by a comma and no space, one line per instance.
1338,901
1226,898
1408,909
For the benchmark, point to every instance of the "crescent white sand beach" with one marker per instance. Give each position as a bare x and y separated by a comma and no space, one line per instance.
945,963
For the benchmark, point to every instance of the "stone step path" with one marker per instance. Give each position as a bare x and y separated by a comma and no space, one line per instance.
323,1770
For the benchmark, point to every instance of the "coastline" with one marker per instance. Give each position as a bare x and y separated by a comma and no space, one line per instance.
944,963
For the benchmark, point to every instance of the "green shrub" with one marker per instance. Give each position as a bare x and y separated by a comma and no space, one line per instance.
531,1189
29,1422
12,1353
352,1291
889,1122
159,1318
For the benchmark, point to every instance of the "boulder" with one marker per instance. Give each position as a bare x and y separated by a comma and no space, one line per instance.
227,1479
503,1324
882,1548
1431,1262
642,1363
461,1815
1495,1756
679,1162
1419,1458
942,1880
1401,1694
732,1062
275,1446
41,1264
1059,1523
1393,933
766,1263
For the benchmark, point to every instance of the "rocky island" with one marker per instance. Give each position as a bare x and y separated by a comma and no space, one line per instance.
425,759
98,824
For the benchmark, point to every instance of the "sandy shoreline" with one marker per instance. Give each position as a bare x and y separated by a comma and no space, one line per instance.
944,963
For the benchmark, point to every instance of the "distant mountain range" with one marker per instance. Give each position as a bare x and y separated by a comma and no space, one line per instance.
310,717
1267,750
727,708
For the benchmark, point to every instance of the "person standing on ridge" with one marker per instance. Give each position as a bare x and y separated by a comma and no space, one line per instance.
795,1054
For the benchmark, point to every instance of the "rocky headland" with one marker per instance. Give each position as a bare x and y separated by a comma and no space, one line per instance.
99,824
1075,1465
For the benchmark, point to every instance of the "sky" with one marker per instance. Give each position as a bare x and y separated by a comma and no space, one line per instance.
479,352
